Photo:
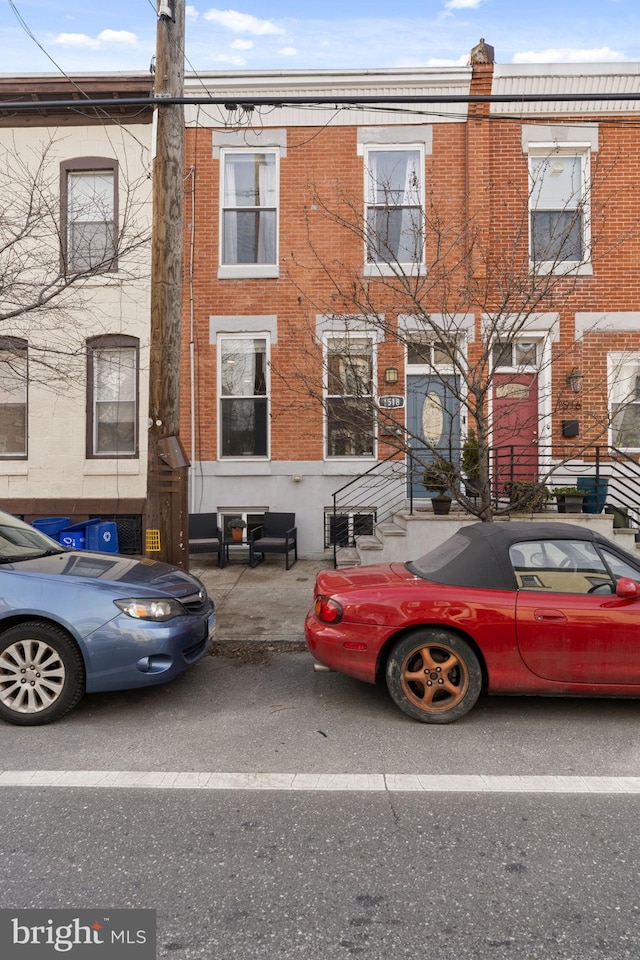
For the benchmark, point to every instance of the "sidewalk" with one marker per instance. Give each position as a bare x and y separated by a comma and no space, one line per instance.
266,604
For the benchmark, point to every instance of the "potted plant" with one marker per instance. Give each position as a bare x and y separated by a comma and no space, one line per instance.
527,495
236,526
470,463
569,499
439,476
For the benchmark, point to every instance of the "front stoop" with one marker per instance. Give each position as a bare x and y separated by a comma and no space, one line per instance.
410,535
628,535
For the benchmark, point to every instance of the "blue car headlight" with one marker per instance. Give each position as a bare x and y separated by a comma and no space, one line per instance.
151,609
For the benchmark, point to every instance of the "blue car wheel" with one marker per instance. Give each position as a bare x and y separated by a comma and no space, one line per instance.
42,673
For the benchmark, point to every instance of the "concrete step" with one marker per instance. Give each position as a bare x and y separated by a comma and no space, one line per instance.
365,543
628,534
347,557
390,529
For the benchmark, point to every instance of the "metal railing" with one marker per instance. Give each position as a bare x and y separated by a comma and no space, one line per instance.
380,492
611,477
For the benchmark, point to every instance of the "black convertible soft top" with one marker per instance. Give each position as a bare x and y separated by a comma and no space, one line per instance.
478,555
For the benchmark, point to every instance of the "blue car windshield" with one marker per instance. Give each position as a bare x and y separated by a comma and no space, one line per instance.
19,541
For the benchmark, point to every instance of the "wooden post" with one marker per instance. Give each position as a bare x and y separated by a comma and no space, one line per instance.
167,483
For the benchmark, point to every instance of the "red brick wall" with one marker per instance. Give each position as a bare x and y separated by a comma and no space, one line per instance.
476,178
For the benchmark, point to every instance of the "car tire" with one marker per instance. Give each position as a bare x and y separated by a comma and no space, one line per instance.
42,673
433,675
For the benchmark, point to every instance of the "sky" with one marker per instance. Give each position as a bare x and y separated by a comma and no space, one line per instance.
47,36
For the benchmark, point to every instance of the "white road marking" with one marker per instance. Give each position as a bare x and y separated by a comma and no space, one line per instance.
319,782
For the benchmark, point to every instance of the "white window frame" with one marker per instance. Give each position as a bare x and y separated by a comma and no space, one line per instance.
98,351
252,518
547,151
247,270
74,172
434,364
411,268
328,339
616,360
350,517
512,343
258,335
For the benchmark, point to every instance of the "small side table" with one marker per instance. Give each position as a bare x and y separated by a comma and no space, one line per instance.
232,542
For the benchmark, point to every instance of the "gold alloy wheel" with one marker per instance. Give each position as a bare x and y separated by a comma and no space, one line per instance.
434,677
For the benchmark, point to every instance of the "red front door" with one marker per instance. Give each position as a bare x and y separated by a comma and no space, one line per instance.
515,427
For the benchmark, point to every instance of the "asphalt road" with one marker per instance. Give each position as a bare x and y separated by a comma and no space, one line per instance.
269,712
323,874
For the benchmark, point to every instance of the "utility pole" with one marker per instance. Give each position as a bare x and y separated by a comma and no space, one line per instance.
167,517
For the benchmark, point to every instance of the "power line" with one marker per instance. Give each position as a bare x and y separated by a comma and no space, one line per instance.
102,115
230,102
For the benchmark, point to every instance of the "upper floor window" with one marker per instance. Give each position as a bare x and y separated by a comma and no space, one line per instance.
349,399
394,209
624,399
13,398
112,396
249,230
244,396
89,195
559,209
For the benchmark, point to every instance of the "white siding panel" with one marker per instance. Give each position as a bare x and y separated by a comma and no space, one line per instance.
565,79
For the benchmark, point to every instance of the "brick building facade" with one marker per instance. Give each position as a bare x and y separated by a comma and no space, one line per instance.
327,248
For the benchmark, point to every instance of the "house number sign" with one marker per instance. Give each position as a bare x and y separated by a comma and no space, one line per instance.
390,402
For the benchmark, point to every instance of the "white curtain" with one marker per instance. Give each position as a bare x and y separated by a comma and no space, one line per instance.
267,198
250,201
230,252
396,195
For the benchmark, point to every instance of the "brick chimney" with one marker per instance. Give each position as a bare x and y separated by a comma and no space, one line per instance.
481,53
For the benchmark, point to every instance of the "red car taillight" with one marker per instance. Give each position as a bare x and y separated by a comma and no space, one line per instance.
328,610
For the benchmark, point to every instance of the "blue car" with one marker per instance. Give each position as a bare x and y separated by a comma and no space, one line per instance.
75,622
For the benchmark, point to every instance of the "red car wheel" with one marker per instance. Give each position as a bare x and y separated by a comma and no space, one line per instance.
434,676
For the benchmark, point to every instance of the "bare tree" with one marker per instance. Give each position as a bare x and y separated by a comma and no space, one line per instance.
50,254
471,318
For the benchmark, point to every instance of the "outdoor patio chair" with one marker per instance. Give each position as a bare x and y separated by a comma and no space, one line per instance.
205,536
277,534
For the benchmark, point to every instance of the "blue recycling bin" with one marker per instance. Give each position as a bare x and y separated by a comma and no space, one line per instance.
596,489
96,534
102,536
51,526
75,535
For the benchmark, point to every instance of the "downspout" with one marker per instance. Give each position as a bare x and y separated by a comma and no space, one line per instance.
192,371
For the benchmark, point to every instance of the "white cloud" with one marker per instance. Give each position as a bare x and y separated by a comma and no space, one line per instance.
463,4
568,55
76,40
241,44
117,36
190,11
288,52
242,22
82,41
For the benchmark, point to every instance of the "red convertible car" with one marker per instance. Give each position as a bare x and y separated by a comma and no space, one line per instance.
508,607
